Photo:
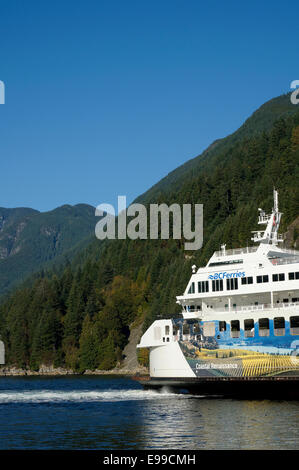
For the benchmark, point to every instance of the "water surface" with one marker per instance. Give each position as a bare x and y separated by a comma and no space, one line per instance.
116,413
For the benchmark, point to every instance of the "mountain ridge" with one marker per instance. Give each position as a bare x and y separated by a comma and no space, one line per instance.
29,239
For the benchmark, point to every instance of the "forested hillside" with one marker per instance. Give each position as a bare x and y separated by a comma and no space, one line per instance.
81,318
31,240
261,120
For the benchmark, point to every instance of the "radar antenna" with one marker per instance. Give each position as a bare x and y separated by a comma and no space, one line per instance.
270,235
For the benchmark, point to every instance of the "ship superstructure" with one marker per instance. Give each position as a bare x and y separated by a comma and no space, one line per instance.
240,314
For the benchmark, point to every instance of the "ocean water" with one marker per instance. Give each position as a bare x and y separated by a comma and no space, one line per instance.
116,413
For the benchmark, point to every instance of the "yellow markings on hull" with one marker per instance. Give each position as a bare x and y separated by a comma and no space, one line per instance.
251,363
267,365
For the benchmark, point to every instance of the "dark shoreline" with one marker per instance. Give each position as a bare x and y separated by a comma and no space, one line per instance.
57,372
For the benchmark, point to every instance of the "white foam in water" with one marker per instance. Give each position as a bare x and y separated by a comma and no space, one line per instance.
45,396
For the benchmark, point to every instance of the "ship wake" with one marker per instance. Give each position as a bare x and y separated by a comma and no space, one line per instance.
56,396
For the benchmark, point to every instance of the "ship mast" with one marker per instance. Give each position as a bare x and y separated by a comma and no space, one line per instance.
270,234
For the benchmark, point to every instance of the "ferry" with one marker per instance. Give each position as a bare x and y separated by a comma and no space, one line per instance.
238,332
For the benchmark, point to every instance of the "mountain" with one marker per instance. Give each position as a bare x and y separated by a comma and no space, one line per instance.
31,240
262,120
81,318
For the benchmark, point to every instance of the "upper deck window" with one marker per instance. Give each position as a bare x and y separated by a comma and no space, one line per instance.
278,277
232,284
217,285
225,263
293,276
203,286
247,280
192,288
264,278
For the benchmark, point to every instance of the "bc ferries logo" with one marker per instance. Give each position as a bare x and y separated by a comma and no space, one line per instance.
224,275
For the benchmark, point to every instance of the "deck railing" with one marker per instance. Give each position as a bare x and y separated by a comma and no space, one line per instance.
236,251
289,251
253,249
245,308
279,261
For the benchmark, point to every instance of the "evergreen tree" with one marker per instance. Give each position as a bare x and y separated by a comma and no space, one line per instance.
89,346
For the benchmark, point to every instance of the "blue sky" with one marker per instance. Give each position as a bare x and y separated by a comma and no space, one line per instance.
104,98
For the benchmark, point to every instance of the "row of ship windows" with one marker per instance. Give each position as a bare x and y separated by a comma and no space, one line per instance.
232,283
263,327
193,308
209,328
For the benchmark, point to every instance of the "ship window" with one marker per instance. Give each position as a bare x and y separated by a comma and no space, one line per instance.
222,263
264,278
278,277
293,276
222,326
217,285
235,328
247,280
279,326
203,286
249,328
209,329
192,288
294,325
232,284
167,330
264,327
